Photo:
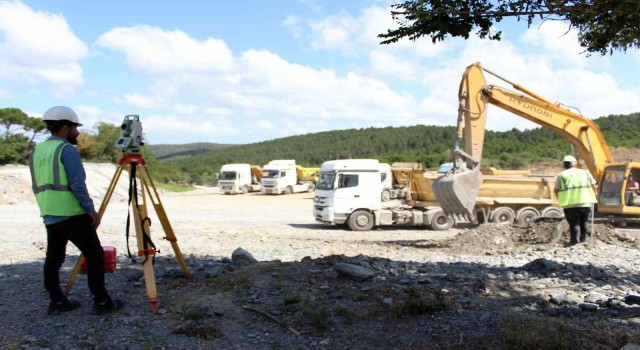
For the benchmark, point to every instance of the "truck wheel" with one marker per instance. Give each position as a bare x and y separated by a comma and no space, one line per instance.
503,216
526,215
288,190
312,187
552,212
360,220
386,195
441,221
245,189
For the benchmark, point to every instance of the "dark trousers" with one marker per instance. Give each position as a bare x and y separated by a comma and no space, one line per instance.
577,219
79,231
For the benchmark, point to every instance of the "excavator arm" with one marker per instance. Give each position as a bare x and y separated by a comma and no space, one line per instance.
457,190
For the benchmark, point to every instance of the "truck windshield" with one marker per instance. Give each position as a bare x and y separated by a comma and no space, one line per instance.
271,173
325,182
227,175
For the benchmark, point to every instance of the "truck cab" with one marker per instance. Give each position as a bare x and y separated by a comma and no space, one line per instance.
281,177
345,186
237,178
362,193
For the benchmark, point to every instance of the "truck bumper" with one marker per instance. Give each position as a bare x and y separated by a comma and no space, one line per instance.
229,190
271,190
327,216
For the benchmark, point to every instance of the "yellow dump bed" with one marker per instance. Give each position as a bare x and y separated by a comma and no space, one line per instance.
256,173
307,174
515,187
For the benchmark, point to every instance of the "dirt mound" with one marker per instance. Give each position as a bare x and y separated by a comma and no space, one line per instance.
500,239
15,183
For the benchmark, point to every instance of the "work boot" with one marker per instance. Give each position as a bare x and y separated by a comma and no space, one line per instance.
63,306
107,307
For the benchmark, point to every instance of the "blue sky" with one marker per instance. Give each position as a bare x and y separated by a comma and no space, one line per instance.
249,71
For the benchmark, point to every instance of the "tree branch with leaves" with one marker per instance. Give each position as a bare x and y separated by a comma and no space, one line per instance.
20,131
603,26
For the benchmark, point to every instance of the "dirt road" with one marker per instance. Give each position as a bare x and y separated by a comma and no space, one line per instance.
209,223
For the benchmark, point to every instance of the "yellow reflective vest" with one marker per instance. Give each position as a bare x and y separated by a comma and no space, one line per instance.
49,181
575,188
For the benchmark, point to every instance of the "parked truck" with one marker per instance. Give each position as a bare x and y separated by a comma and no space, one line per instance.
283,176
239,178
363,193
460,190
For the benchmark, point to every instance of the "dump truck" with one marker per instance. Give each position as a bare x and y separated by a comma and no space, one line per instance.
239,178
283,176
458,191
363,193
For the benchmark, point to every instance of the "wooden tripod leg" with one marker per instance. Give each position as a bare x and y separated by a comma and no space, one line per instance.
166,225
103,208
142,227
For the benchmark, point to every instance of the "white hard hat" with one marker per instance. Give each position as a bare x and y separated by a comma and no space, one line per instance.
61,113
569,159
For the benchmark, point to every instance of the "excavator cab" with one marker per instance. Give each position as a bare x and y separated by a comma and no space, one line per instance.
618,191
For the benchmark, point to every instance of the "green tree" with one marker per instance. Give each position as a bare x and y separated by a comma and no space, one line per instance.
105,142
20,130
602,25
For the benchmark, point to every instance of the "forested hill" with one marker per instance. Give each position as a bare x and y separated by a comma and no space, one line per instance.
166,152
429,145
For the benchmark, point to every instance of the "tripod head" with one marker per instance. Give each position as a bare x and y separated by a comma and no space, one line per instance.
130,134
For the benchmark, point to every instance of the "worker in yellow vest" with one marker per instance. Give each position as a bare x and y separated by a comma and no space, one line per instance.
58,182
575,189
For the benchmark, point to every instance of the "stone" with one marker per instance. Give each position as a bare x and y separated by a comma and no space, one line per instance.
595,298
558,298
355,272
588,307
241,255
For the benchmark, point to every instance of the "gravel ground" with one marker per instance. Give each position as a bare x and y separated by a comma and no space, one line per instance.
313,286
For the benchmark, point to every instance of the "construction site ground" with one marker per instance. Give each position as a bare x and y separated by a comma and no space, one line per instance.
316,286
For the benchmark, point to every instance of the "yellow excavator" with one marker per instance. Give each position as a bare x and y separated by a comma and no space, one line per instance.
457,190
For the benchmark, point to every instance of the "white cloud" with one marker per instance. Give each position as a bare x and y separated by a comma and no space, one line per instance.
157,51
39,47
558,41
141,101
334,33
387,64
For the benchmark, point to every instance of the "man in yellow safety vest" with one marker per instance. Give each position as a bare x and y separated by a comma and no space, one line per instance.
576,192
58,182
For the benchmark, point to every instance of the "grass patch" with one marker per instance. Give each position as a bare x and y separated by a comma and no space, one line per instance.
360,297
291,299
421,305
524,333
348,315
319,318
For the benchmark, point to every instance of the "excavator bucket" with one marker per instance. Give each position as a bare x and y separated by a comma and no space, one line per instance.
457,190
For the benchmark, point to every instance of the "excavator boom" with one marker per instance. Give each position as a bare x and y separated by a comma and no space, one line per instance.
457,190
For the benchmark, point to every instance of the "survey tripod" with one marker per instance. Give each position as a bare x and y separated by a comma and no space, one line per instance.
136,165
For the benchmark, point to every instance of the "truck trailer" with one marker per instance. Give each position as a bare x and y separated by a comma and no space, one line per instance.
363,193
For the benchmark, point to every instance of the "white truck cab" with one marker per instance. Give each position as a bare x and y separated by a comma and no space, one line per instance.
348,185
359,193
280,177
237,178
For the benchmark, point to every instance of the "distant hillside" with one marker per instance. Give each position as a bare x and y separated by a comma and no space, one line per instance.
429,145
167,152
